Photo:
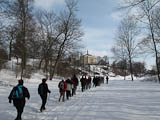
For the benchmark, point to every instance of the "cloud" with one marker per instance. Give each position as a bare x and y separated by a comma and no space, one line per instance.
96,32
98,41
98,36
99,53
116,16
47,4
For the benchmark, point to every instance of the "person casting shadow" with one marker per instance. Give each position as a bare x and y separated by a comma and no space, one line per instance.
43,91
18,95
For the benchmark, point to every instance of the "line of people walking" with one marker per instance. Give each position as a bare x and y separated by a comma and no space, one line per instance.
67,88
87,81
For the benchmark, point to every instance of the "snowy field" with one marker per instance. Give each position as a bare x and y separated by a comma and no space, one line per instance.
120,100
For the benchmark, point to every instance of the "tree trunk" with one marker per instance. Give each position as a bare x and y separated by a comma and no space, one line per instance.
54,69
155,48
10,50
58,57
124,74
131,70
156,54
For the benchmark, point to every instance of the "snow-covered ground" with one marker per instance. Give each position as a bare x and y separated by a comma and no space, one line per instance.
119,100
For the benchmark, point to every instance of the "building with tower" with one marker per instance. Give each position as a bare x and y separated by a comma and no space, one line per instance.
88,59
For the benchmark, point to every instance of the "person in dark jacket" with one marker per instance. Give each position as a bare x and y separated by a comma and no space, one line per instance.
107,78
18,95
75,83
89,82
94,81
43,91
82,80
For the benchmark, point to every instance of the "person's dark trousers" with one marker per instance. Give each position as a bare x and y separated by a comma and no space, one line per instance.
106,81
68,94
82,88
44,100
19,104
63,96
73,91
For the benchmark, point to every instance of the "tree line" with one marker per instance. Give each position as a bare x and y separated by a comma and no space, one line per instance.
30,32
138,33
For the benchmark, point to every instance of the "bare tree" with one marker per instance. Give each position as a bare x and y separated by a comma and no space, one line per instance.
70,27
147,10
156,24
139,69
145,14
20,12
135,3
0,32
126,46
120,68
48,37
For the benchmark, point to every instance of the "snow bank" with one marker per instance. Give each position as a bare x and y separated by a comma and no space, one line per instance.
149,79
7,77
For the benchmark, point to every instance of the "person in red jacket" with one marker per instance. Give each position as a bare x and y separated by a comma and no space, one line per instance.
62,89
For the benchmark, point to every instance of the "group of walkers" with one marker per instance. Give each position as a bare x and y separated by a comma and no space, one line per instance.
66,88
20,92
69,87
87,82
98,80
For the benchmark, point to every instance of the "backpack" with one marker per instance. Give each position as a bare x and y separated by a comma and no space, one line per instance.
61,85
40,89
17,92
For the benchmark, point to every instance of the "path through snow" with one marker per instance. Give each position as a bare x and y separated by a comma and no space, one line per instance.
120,100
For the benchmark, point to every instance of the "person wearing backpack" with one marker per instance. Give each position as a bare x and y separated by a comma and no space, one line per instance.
62,89
43,91
18,95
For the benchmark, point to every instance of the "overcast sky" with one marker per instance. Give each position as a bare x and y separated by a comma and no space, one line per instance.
100,19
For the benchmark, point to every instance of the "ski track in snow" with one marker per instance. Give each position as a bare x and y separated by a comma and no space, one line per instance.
119,100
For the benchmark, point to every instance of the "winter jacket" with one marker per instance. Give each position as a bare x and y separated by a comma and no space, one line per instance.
62,91
25,93
43,89
69,87
75,81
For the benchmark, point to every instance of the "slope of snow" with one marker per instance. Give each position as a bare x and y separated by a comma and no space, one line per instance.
119,100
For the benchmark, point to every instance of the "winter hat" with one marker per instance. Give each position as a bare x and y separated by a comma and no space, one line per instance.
20,82
44,80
